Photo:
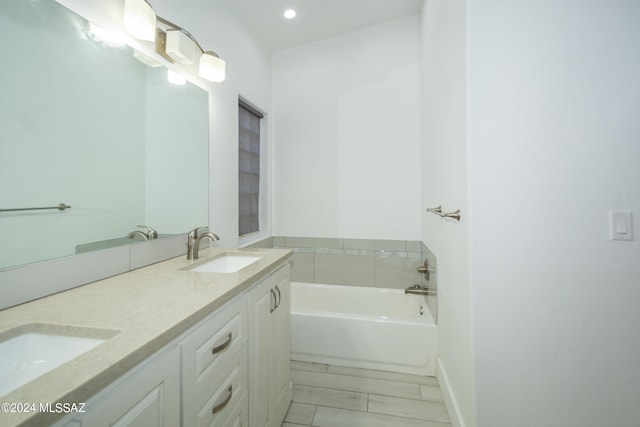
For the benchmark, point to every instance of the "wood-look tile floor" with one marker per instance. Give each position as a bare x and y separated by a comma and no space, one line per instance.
334,396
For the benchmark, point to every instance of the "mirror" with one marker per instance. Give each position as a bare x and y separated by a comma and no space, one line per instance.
86,124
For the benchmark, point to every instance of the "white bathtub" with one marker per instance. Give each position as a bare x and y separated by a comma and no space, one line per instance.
362,327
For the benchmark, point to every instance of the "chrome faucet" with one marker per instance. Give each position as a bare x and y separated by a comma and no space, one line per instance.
151,233
191,238
419,290
196,244
135,233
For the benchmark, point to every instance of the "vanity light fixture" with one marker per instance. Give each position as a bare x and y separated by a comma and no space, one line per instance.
180,47
212,67
289,14
140,19
175,43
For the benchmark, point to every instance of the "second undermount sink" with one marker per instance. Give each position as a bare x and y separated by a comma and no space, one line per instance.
33,353
225,264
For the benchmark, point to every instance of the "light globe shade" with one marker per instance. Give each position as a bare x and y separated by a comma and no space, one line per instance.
140,19
180,47
211,67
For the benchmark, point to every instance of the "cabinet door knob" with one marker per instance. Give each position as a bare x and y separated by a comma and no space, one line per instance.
221,405
219,348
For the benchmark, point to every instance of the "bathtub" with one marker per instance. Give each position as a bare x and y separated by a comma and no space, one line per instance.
362,327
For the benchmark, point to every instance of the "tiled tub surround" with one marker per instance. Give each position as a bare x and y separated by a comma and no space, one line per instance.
354,262
358,262
146,309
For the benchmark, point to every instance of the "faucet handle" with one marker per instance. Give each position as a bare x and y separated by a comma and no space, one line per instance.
425,269
193,234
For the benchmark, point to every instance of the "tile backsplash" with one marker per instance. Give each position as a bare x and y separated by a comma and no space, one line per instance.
358,262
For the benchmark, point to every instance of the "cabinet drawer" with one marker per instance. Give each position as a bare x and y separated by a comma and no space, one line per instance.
215,341
210,353
240,415
222,404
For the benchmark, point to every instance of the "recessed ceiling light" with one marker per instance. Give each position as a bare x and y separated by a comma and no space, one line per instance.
289,13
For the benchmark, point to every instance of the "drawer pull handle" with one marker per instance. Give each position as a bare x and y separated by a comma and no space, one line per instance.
221,405
219,348
275,300
279,296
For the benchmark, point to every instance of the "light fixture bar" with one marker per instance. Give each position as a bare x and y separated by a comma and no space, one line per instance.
179,28
139,18
180,47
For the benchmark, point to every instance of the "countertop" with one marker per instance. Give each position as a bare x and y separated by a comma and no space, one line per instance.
141,311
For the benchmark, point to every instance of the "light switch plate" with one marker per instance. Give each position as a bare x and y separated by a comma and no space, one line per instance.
620,225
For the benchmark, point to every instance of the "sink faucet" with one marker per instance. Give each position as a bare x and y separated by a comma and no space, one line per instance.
151,233
135,233
419,290
196,244
191,238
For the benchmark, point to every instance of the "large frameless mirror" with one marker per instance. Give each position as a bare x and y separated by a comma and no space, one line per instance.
86,124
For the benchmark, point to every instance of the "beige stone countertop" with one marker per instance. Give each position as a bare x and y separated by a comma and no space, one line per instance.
139,312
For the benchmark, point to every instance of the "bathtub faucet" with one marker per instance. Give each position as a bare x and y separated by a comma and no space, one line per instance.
419,290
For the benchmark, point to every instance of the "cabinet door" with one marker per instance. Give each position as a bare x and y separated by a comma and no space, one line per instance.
261,300
280,389
148,396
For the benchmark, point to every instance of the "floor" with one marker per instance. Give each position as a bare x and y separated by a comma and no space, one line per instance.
334,396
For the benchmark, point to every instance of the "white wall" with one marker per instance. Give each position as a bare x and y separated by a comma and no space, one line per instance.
346,135
554,101
444,182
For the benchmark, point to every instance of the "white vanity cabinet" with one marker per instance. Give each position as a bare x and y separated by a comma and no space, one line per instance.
147,396
214,367
270,387
229,370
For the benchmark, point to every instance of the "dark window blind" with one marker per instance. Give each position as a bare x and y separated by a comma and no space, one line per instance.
249,169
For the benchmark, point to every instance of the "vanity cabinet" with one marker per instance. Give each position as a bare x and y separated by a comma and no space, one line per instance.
214,367
229,370
270,387
147,396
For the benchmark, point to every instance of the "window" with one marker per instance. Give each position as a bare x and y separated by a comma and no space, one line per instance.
249,120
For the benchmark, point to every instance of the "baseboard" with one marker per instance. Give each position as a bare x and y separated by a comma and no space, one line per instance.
449,397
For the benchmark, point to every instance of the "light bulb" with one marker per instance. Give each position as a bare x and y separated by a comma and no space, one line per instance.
140,19
211,67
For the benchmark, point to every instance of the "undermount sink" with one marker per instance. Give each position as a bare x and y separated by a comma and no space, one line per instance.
33,353
225,264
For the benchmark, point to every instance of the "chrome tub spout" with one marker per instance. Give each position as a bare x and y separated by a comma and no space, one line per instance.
419,290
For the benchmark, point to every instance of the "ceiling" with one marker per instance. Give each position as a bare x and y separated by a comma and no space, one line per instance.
315,20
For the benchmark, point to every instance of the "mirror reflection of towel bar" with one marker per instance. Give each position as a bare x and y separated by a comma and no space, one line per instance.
60,207
438,211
